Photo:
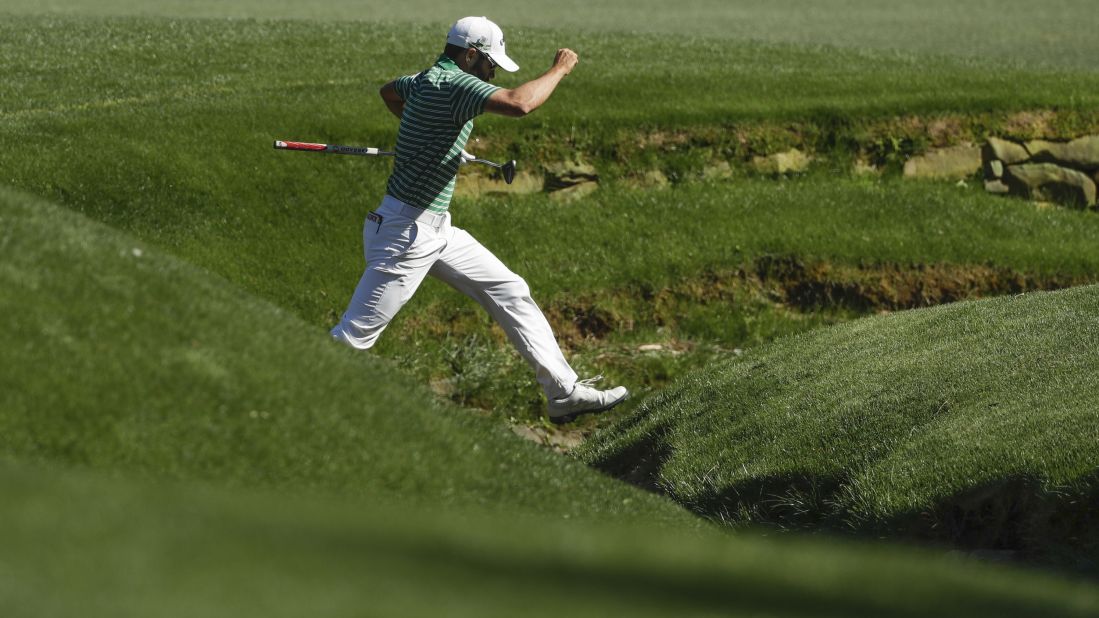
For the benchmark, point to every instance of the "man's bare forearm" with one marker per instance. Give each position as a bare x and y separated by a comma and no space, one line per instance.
531,95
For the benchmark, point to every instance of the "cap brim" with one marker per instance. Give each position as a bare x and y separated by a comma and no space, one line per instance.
504,62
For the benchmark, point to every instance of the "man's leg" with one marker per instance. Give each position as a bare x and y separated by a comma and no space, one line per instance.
399,252
377,299
473,270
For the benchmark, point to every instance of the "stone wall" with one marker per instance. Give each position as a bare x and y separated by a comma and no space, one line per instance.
1061,172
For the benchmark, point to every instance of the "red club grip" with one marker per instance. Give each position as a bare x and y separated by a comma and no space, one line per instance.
299,146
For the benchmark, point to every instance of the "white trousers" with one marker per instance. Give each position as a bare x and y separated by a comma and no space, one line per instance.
403,244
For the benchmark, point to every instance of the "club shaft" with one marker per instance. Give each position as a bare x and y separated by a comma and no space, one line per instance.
352,150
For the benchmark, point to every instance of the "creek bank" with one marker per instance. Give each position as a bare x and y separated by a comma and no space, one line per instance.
795,285
784,283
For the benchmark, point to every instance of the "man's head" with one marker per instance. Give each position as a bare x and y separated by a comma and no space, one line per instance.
476,45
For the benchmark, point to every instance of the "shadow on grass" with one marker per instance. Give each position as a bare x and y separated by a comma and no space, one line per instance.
1017,518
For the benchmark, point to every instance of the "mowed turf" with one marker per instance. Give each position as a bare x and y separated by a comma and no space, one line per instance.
121,360
163,128
118,357
994,33
973,423
84,544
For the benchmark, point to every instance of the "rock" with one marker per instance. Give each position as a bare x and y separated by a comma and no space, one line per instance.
865,168
568,174
571,180
1008,152
792,160
1081,153
565,440
953,163
995,169
654,178
1049,182
561,440
476,184
719,170
996,186
574,192
527,433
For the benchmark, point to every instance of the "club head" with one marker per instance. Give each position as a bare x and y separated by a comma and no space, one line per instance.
509,171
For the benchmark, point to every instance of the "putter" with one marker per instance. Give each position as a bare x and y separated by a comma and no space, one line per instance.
507,168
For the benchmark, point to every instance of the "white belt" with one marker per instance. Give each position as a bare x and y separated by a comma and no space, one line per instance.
396,206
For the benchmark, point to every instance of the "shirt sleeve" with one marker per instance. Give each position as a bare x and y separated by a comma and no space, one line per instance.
404,85
468,96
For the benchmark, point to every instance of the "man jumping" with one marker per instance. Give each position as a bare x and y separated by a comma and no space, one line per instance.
410,236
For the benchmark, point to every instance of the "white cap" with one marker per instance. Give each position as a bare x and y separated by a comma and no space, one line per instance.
482,35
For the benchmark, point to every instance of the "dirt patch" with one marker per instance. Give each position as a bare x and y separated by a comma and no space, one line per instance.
662,139
799,285
478,184
891,287
1031,124
560,440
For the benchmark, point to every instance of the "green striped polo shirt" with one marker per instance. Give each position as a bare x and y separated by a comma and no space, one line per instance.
439,106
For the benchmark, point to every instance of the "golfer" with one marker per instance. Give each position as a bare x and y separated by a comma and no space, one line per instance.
410,235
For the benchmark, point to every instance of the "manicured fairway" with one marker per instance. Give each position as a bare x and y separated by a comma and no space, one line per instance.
1056,33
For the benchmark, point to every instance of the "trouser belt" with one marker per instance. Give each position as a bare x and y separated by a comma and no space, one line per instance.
434,219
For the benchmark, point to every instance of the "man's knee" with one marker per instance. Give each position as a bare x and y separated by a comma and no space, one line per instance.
516,288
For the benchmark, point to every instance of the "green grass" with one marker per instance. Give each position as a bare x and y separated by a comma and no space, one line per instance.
162,128
277,70
1055,33
971,423
178,332
731,266
124,361
118,357
88,545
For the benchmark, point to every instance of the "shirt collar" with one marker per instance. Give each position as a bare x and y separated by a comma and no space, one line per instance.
445,62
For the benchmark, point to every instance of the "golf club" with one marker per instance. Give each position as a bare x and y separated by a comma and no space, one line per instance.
507,168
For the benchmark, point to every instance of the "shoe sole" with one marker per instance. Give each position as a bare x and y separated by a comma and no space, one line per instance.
568,418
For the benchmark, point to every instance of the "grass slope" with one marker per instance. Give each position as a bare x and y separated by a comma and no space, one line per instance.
117,357
169,550
1053,33
973,423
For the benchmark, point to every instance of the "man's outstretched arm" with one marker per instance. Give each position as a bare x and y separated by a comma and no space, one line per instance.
531,95
392,99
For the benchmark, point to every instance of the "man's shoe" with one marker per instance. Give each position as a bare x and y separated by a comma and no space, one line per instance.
585,399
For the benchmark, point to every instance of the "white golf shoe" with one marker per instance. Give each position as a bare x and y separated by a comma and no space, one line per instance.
585,399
